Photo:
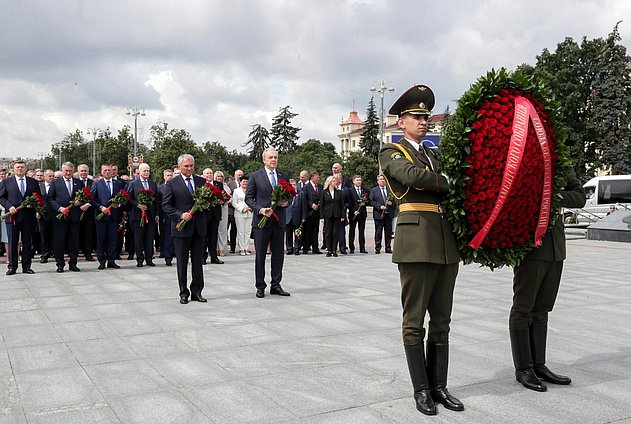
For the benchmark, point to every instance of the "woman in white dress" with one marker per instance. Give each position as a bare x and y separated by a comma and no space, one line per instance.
242,217
222,238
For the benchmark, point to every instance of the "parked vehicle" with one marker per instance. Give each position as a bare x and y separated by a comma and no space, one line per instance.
601,193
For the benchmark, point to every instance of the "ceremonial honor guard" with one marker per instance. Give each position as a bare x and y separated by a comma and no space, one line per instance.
424,249
535,286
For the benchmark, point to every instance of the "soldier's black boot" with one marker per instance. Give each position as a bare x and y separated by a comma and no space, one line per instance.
538,335
415,355
437,366
522,358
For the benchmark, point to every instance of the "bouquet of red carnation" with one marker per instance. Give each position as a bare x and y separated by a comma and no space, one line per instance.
281,193
33,201
145,197
203,197
82,196
363,201
121,198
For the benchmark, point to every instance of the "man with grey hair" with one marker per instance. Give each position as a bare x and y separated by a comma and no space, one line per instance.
143,217
87,229
258,197
61,196
177,201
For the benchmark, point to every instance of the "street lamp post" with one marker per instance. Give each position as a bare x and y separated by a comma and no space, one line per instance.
96,132
382,125
135,111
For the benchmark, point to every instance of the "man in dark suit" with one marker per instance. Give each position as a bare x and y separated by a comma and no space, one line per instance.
61,200
166,242
46,226
296,214
304,180
382,213
87,229
258,197
357,215
336,170
143,236
106,228
21,225
346,198
177,201
312,226
213,217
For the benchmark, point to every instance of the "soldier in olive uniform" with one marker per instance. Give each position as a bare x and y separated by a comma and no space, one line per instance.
535,286
424,249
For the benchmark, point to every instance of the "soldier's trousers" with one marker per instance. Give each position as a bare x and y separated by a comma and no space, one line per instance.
426,288
535,289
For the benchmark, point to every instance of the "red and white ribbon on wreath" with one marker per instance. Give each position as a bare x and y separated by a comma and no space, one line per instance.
524,111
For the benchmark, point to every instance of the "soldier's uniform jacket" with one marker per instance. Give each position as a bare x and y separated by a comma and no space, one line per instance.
414,178
552,247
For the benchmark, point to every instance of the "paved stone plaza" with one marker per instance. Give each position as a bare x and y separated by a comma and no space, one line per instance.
116,346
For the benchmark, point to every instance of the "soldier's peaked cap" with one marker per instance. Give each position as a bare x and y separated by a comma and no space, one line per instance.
418,100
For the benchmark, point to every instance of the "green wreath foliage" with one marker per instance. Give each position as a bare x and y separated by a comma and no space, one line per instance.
455,147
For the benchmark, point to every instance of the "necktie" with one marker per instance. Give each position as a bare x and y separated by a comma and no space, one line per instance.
109,187
385,196
22,187
315,187
359,193
189,185
69,187
145,184
273,179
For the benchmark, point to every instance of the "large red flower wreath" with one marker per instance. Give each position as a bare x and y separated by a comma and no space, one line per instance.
504,185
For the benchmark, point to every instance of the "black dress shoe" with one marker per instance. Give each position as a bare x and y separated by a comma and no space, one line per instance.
425,403
183,300
544,373
28,271
529,380
204,262
279,291
377,252
10,271
344,252
352,251
60,268
101,265
216,261
74,268
335,254
161,255
260,293
290,251
113,264
150,263
199,298
89,258
442,396
328,254
363,251
130,257
388,250
139,265
168,262
297,252
43,260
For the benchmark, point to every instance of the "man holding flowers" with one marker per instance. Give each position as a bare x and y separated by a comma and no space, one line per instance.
143,214
188,225
65,197
104,190
424,249
18,196
268,194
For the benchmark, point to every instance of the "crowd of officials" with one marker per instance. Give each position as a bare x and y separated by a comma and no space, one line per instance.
337,209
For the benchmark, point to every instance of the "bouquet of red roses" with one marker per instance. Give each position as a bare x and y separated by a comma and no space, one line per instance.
121,198
82,196
33,201
281,193
203,197
225,197
363,201
145,197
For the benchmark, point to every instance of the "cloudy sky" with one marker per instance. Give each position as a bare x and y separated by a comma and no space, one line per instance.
215,68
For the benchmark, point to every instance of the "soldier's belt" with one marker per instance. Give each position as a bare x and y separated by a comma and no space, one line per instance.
420,207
